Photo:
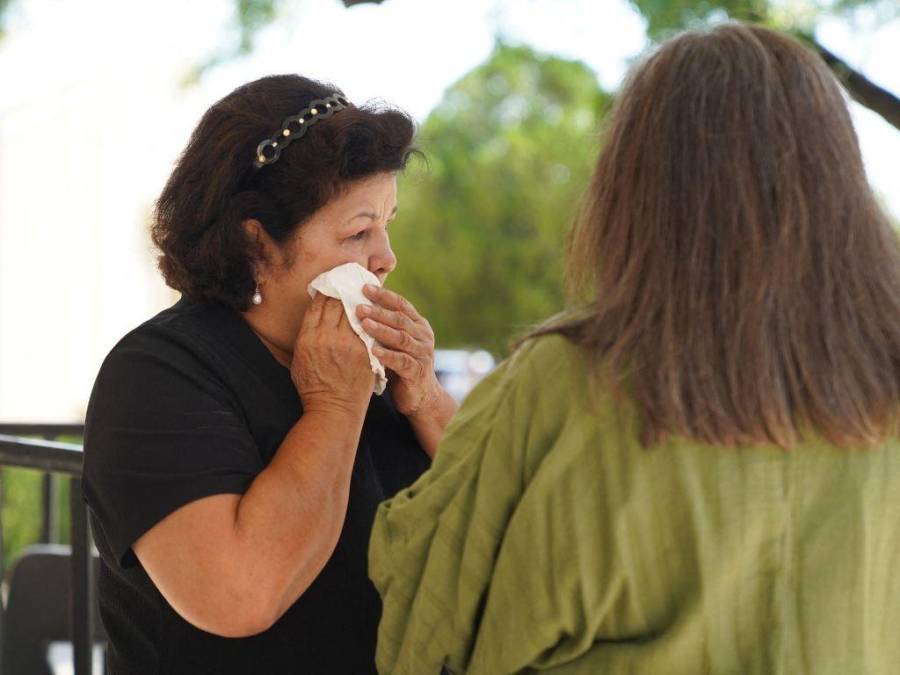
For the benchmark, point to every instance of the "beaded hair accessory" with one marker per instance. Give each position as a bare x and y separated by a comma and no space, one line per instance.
294,127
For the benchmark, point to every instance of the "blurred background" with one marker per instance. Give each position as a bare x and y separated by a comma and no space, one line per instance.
98,98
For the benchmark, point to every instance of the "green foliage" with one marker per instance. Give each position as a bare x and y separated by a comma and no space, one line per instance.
4,9
22,505
480,235
665,17
253,15
21,512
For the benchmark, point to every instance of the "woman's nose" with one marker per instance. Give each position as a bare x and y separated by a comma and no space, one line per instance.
382,261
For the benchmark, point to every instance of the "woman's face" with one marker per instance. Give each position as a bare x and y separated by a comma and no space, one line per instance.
350,228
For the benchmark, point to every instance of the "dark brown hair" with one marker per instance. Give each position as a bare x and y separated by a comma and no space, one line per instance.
737,275
214,187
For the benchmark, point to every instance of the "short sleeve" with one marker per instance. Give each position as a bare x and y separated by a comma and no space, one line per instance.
162,430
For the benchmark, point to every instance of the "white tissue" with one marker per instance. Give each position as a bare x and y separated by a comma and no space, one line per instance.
345,283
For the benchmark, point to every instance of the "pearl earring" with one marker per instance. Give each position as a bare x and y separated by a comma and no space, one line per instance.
257,296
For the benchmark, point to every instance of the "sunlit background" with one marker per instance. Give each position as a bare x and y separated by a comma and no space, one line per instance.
99,97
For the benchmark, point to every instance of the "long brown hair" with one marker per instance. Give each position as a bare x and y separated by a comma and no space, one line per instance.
734,267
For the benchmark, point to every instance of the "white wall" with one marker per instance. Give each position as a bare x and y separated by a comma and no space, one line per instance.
77,269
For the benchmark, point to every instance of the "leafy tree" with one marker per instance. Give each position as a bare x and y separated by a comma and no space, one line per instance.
663,17
481,230
667,16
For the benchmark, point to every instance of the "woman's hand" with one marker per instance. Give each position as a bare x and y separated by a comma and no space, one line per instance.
330,366
407,349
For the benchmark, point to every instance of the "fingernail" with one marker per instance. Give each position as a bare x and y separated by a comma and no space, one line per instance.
369,288
377,351
365,310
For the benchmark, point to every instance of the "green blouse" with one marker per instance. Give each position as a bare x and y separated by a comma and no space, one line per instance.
545,538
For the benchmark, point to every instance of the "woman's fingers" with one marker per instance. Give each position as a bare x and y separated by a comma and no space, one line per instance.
395,339
333,312
313,318
400,362
396,312
392,301
390,318
406,347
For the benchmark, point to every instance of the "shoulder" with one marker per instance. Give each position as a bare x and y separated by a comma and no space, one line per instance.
547,371
553,382
170,355
537,355
181,336
550,394
163,379
543,382
186,323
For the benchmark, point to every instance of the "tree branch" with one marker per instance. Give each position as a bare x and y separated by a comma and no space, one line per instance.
860,88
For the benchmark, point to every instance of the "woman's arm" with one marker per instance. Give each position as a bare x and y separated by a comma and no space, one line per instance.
431,420
233,564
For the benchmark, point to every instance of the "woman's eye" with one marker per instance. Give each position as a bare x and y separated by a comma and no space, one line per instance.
359,236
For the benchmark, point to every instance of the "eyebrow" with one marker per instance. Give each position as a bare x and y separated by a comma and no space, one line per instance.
373,216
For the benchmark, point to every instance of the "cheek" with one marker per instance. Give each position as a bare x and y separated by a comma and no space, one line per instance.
311,263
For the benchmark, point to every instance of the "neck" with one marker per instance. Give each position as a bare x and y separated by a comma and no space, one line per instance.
282,349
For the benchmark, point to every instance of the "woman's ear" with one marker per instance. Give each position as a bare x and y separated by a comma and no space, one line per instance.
259,246
252,228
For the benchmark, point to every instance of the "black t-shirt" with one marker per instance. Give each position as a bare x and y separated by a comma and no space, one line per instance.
192,404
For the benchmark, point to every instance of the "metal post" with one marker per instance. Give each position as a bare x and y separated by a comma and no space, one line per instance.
50,509
82,582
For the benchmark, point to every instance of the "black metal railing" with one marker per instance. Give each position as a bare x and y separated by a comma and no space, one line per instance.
20,448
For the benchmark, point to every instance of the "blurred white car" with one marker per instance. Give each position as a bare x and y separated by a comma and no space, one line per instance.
459,370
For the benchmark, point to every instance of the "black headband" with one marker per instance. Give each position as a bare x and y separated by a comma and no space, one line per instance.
294,127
